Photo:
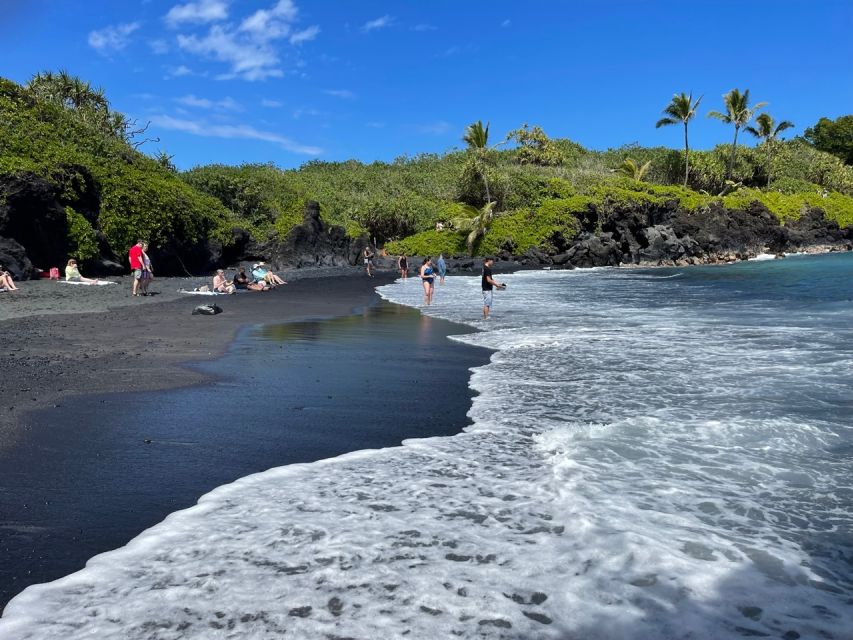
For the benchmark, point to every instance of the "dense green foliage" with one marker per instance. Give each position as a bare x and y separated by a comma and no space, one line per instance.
543,190
137,197
833,136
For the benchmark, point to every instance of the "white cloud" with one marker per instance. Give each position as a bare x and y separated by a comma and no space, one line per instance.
506,23
177,72
434,128
340,93
305,35
112,38
271,104
159,47
249,59
227,103
305,111
226,131
200,12
424,27
250,48
379,23
375,125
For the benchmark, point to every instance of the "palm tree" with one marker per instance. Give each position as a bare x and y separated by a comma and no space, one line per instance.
681,109
475,225
768,131
477,139
739,113
633,170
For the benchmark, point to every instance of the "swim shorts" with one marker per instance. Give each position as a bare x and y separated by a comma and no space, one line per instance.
487,298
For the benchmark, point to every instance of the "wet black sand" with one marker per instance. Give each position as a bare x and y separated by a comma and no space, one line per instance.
90,473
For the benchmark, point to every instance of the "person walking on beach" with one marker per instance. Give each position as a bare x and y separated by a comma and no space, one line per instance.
488,285
135,255
442,268
428,280
147,271
403,266
368,261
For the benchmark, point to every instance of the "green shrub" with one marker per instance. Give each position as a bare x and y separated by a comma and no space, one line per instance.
82,238
430,243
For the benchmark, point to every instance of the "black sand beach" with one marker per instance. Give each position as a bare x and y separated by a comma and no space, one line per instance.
105,430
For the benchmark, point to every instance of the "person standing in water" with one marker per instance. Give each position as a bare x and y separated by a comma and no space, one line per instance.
403,266
488,285
442,268
428,280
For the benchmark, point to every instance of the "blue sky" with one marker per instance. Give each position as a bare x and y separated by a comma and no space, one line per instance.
283,81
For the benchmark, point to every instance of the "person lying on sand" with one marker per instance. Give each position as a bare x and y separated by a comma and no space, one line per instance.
220,284
72,273
6,282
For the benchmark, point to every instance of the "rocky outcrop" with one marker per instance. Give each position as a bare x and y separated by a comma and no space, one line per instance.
313,243
33,225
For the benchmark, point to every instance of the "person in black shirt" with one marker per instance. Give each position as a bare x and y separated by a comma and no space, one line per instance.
488,284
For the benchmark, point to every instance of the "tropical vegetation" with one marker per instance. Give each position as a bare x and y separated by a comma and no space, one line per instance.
527,191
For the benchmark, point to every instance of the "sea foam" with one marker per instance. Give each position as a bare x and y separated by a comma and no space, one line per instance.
641,464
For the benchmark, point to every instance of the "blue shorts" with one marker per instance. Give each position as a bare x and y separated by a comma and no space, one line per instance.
487,298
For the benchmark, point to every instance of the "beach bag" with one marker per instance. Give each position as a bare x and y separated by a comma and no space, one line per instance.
207,310
54,273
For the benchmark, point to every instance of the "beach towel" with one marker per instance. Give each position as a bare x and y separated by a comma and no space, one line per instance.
99,282
201,293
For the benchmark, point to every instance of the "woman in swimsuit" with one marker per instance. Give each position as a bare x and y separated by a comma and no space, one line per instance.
428,280
403,266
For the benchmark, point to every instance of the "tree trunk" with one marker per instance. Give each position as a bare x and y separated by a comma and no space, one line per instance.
732,158
686,157
768,163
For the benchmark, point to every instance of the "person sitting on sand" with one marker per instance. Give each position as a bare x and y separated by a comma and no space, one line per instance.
72,273
6,282
243,281
220,284
262,274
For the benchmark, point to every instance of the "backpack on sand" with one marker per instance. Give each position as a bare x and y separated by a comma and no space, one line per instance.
207,310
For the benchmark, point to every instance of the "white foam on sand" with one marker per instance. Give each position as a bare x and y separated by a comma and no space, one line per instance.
613,485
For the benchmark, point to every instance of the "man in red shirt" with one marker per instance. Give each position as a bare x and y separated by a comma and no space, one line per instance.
136,265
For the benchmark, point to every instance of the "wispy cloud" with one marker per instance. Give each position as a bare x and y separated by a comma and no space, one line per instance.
340,93
305,35
271,104
159,47
375,125
227,103
200,12
506,23
378,23
305,111
179,71
227,131
424,27
112,38
250,48
434,128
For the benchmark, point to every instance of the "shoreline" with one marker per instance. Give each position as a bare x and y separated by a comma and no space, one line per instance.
74,426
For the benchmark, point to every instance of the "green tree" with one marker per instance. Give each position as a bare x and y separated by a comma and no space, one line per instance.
833,136
633,170
477,138
681,109
739,113
476,225
535,147
768,131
